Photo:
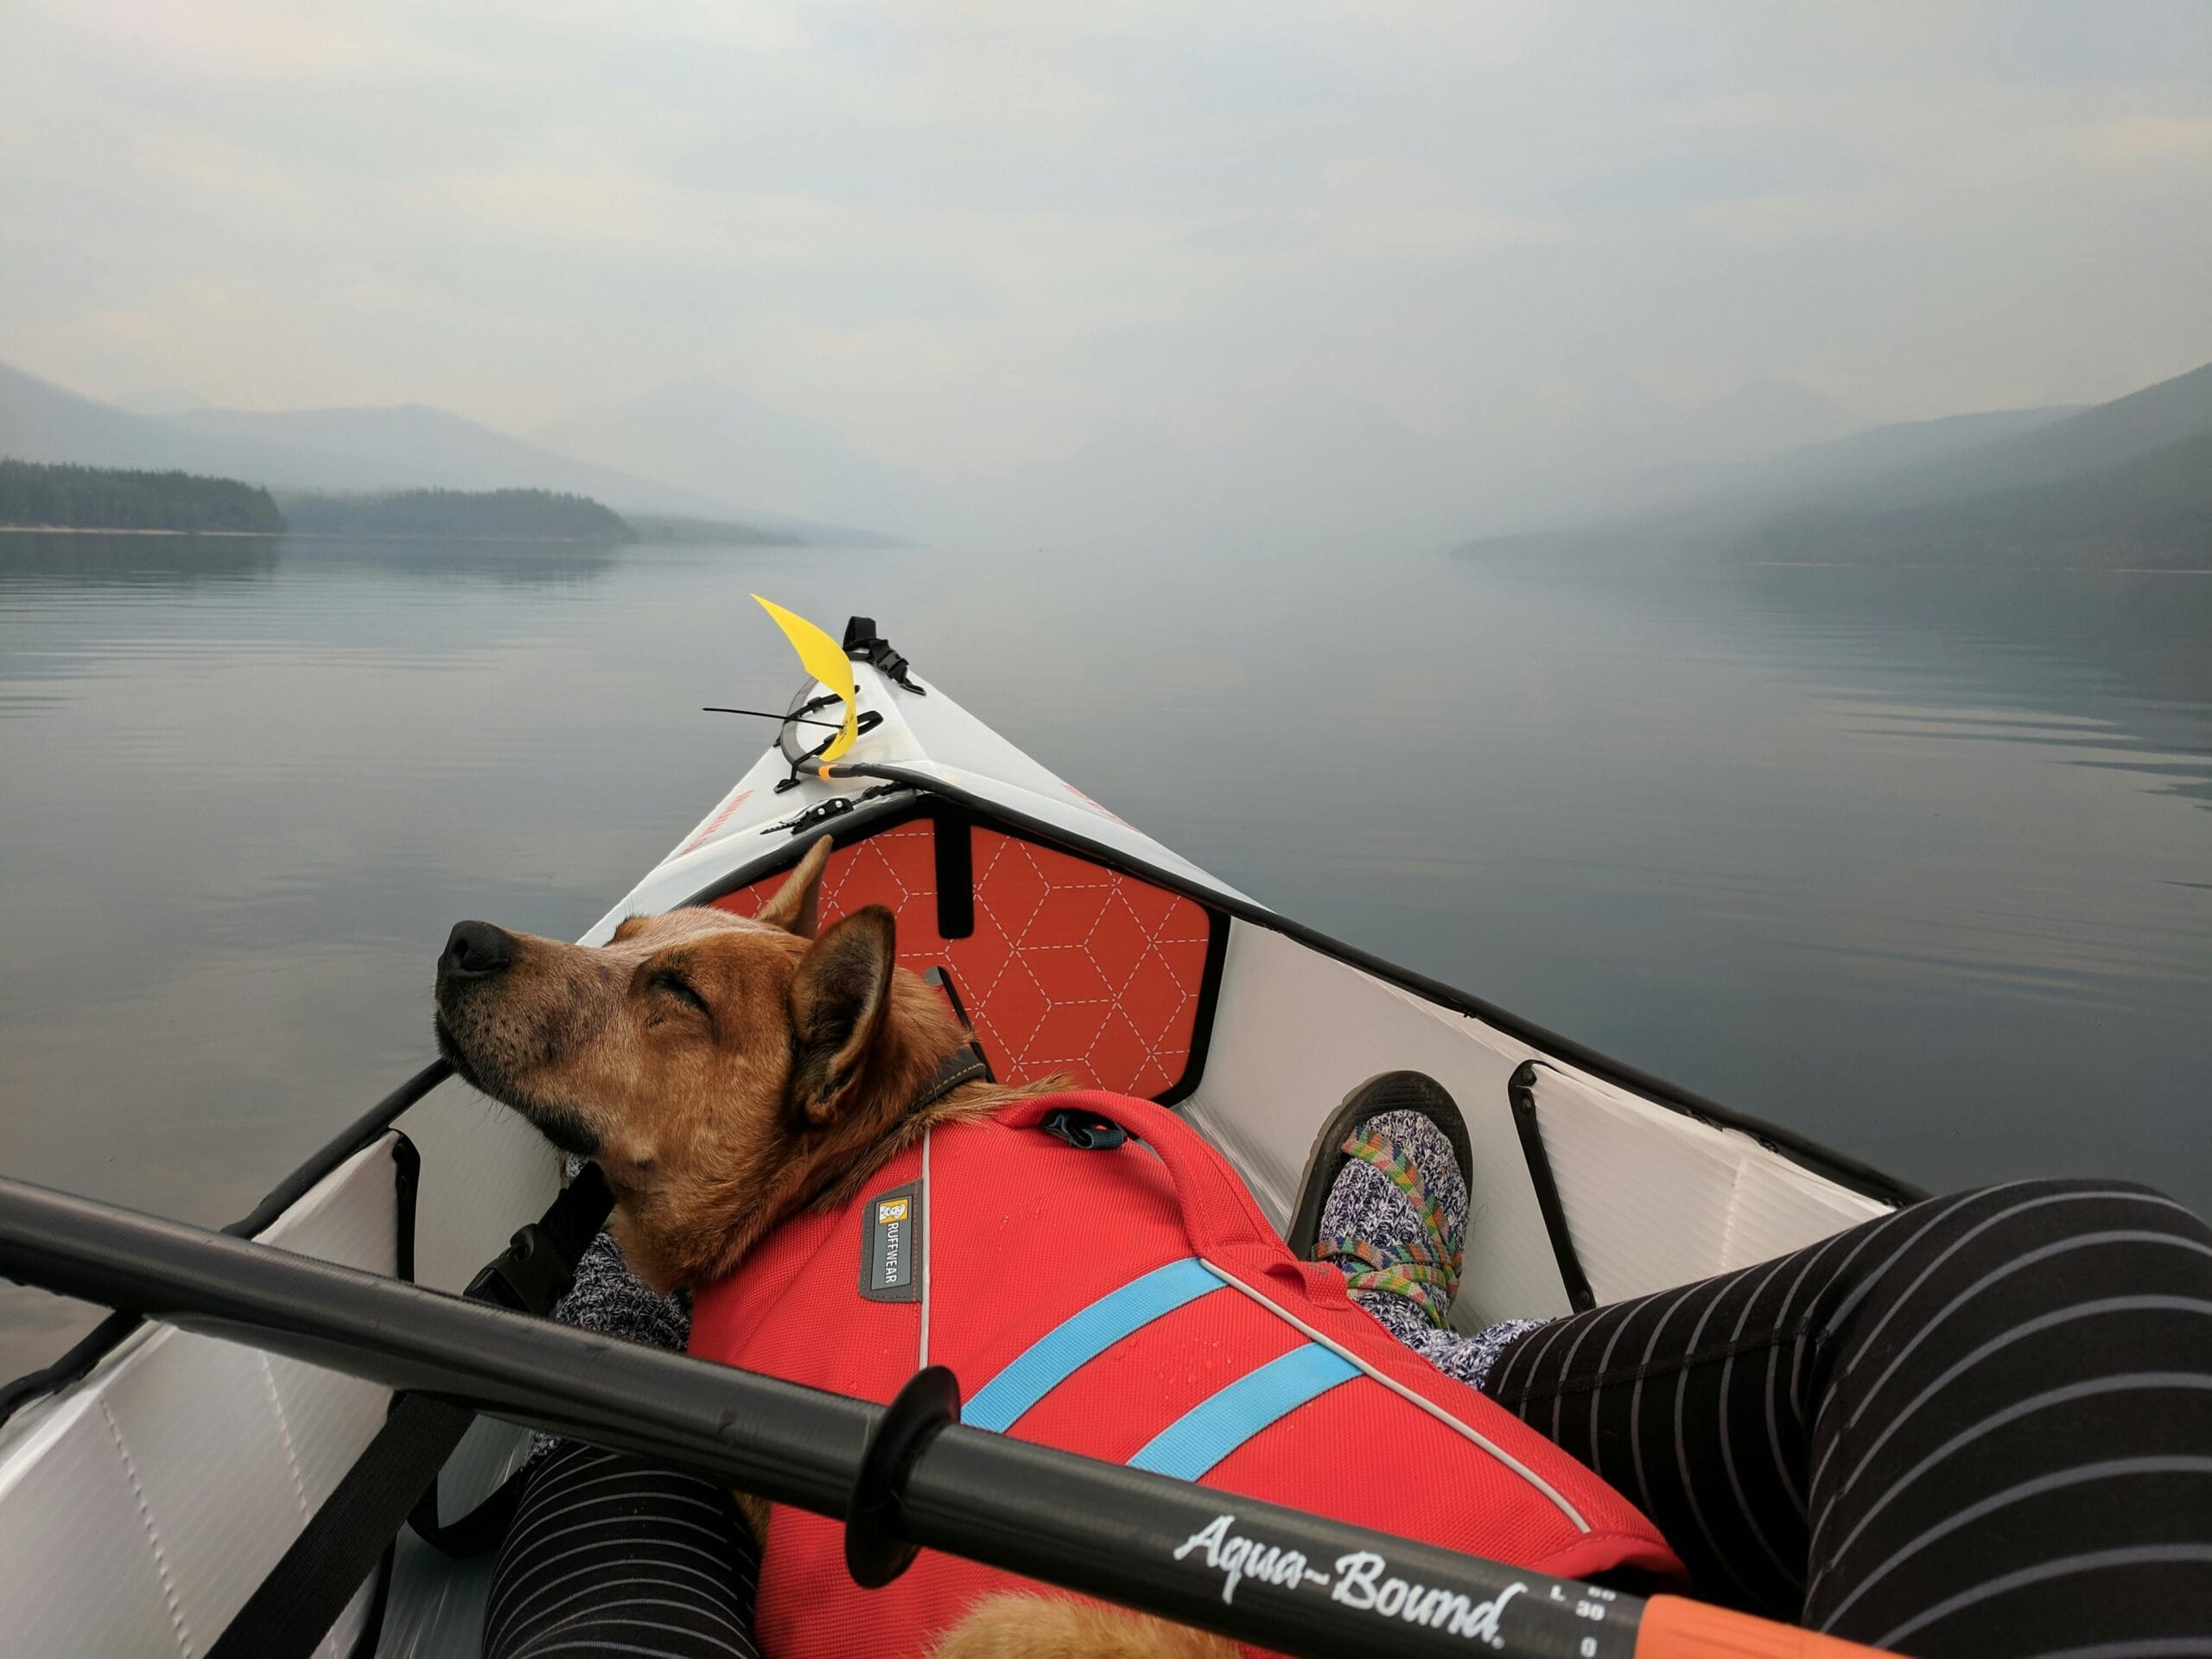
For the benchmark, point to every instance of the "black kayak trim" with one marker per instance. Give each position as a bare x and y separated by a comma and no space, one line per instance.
1840,1167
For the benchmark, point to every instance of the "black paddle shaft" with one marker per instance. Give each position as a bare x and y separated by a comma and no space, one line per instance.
1255,1572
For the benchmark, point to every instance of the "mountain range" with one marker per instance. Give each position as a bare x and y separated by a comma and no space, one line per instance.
1315,468
2125,483
1771,469
403,447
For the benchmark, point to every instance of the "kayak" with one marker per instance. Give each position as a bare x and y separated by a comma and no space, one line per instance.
151,1478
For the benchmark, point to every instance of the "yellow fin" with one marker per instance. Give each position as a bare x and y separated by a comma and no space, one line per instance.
821,657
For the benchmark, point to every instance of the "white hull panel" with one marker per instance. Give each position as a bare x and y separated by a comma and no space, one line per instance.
139,1510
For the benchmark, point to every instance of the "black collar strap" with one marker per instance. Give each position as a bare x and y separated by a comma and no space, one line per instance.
965,1064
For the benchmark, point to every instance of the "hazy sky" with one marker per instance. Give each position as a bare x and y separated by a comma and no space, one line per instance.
970,236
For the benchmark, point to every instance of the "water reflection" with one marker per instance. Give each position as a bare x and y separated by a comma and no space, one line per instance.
104,561
2086,660
521,563
34,561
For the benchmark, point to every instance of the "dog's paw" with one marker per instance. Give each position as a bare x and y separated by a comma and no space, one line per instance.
1053,1627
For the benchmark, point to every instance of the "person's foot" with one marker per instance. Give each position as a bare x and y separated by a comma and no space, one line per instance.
1394,1222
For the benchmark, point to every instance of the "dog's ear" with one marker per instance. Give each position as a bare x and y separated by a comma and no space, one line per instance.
839,997
796,908
628,928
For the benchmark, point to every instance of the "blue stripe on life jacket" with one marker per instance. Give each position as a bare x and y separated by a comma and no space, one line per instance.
1217,1426
1081,1337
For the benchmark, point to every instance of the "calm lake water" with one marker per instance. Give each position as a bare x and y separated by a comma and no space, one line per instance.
1920,864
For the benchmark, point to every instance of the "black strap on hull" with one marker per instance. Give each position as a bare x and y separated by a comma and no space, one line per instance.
396,1480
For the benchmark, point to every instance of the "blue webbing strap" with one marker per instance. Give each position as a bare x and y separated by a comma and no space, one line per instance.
1081,1337
1217,1426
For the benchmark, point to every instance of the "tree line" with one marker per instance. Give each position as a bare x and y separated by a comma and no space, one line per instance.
104,498
70,497
544,515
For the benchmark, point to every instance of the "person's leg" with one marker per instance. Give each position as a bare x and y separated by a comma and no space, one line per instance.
611,1555
1982,1425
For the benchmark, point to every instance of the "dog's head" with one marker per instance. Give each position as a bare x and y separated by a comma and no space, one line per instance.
721,1069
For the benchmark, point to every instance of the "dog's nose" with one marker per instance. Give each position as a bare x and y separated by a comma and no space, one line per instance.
476,950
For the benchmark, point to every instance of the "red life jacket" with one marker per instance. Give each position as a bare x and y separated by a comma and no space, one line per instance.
1139,1309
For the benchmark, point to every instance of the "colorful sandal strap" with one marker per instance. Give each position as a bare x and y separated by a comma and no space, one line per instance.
1429,1285
1414,1257
1429,1300
1425,1272
1386,1155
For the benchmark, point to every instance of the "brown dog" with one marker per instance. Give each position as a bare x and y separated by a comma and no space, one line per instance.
726,1073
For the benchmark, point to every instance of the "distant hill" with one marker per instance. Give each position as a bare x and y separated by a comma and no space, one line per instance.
2089,442
2125,483
411,446
678,532
42,495
40,422
464,515
1879,453
1625,449
340,450
2152,512
99,498
704,436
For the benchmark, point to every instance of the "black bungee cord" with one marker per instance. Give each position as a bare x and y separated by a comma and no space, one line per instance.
765,714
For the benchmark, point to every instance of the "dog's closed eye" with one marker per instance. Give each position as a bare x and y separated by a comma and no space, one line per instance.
677,986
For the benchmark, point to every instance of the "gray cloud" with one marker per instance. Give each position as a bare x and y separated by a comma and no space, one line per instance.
981,238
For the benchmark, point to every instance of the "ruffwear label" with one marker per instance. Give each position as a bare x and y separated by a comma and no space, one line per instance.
891,1241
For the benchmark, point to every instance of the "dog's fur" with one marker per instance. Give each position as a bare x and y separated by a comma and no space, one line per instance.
726,1073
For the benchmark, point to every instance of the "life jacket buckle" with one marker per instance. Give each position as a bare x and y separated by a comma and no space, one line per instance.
1085,1131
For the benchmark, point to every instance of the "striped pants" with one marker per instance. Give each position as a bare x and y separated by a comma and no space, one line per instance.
1979,1428
610,1554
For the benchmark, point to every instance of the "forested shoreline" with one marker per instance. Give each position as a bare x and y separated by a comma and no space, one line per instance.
38,496
465,515
66,497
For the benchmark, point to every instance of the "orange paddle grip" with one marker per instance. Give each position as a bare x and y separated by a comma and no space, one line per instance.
1675,1628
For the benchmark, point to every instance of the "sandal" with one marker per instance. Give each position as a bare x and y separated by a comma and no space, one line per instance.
1425,1271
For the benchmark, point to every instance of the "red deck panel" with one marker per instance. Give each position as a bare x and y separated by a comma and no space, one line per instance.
1072,967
